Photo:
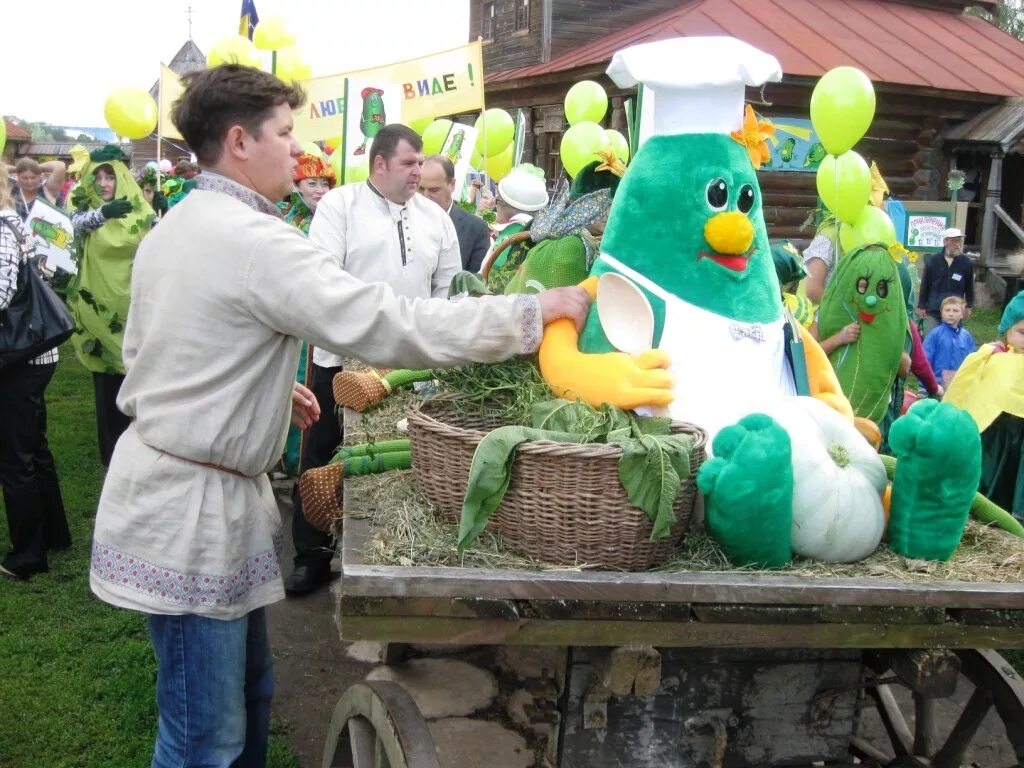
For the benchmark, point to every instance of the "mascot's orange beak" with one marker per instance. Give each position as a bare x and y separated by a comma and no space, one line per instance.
729,233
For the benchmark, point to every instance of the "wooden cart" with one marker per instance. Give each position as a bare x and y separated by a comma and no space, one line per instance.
690,669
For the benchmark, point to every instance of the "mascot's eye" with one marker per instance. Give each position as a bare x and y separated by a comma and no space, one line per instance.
718,194
882,289
746,201
862,285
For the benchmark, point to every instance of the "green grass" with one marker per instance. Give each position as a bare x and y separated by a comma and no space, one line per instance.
77,676
984,325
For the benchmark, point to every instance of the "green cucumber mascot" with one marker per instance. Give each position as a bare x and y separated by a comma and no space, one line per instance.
688,315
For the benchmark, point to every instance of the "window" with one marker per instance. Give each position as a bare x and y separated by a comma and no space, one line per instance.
522,14
488,31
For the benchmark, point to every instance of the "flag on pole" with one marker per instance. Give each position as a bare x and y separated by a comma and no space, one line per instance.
248,19
170,89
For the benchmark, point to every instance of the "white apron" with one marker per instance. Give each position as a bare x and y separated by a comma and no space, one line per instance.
723,369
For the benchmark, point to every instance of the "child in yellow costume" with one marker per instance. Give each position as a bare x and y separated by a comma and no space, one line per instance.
990,387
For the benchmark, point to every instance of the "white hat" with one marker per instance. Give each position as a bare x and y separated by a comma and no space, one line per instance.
523,191
951,232
693,84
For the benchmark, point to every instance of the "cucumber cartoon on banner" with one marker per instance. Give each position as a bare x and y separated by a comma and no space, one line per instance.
372,105
52,234
458,147
448,82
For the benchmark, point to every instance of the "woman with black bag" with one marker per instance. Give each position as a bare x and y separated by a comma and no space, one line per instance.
32,498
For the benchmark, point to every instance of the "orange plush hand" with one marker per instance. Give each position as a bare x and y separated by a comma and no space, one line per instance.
614,378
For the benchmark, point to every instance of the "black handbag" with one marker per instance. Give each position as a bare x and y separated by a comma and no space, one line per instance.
36,320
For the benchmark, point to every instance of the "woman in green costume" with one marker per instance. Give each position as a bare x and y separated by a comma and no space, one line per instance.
110,217
314,178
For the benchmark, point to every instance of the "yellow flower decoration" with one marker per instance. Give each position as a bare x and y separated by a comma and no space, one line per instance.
610,162
754,137
900,254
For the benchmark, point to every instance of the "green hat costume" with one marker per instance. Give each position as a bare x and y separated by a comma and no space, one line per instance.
99,297
1013,314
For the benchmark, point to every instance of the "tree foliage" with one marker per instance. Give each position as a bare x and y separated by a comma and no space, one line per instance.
1008,16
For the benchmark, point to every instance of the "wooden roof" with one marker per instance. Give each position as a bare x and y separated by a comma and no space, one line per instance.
15,132
890,41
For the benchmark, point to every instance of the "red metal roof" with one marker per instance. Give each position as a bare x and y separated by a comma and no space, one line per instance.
15,131
889,41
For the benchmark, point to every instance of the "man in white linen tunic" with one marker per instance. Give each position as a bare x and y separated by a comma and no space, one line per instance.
187,528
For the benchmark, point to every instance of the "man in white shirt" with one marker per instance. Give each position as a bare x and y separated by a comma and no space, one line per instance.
381,231
187,529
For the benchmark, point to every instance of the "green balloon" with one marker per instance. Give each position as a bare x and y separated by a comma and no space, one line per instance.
312,148
618,144
842,108
495,130
434,136
585,102
3,136
498,166
477,161
421,124
580,146
873,225
844,185
335,162
357,171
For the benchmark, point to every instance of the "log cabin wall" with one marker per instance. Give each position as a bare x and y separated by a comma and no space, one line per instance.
904,137
514,31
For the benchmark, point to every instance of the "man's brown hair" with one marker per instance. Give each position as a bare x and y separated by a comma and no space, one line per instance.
385,143
216,99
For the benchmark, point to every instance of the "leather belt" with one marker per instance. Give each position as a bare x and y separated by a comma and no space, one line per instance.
218,467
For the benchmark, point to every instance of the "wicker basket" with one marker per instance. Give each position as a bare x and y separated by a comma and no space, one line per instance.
564,505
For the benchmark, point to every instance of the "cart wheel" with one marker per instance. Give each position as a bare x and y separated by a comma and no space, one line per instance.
982,723
378,725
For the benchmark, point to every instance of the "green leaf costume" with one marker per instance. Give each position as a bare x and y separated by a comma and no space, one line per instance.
865,288
99,297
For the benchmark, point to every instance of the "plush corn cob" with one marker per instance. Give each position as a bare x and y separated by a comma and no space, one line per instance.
374,464
359,390
371,449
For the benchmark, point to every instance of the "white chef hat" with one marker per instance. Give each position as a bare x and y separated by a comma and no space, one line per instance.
693,84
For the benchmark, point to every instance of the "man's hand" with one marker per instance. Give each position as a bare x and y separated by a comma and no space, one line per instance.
486,201
921,312
116,209
305,408
571,303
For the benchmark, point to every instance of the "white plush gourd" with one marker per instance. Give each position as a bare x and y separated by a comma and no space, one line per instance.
838,481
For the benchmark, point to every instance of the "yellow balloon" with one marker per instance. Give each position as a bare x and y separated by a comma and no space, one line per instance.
290,67
131,113
618,143
333,143
477,161
234,49
498,166
495,131
585,102
272,34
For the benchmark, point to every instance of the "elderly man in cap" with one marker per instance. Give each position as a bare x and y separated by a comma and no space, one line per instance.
947,273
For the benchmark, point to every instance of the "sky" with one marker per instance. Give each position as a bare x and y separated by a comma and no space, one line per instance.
62,58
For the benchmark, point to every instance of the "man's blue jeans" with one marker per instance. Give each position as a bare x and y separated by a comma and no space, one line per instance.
214,683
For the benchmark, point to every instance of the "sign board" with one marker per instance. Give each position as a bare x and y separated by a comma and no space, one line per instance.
925,220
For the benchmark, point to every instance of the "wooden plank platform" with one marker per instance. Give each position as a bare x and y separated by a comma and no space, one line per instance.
477,606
